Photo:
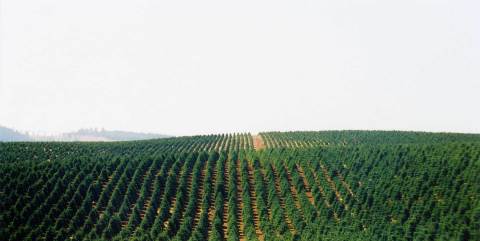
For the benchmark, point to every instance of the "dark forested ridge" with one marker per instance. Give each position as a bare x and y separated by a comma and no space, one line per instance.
332,185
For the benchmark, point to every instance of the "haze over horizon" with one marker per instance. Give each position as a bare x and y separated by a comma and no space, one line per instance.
186,68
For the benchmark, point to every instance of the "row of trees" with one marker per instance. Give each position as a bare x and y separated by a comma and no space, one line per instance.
396,192
152,191
308,139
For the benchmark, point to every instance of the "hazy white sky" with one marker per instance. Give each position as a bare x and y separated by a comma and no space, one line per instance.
199,67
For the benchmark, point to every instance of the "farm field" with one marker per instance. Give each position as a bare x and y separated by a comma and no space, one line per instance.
329,185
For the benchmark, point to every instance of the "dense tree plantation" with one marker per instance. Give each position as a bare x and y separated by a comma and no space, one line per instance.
331,185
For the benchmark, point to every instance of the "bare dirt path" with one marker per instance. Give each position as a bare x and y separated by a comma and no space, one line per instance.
258,143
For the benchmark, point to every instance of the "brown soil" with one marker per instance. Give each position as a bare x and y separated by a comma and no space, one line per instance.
200,197
293,189
345,185
173,201
225,201
258,143
125,222
332,184
211,209
282,201
308,190
104,184
322,192
148,200
240,203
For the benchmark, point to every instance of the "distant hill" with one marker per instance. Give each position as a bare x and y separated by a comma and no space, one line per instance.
106,135
7,134
10,135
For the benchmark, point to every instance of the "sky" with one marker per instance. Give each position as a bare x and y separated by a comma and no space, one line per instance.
193,67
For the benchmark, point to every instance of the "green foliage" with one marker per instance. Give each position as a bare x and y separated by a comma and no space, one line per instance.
332,185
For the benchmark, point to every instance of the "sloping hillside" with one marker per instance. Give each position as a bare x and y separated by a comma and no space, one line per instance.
297,186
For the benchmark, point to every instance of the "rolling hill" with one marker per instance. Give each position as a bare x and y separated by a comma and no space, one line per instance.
330,185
